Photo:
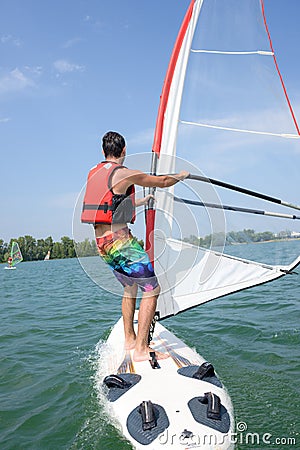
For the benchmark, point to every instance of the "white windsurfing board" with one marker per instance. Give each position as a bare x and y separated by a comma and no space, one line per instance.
179,409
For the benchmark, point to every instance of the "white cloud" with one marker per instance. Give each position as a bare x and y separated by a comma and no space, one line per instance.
4,119
64,66
14,81
8,38
5,38
96,24
71,42
36,71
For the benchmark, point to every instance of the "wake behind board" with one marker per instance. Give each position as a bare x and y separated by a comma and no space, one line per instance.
184,412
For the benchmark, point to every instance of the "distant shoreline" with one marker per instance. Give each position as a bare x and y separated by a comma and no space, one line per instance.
67,248
265,242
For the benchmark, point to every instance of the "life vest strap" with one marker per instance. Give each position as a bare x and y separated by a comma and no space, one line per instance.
106,207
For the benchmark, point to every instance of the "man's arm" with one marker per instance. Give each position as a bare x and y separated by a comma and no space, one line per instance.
122,179
162,181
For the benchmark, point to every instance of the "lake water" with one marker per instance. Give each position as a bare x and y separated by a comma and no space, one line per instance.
53,316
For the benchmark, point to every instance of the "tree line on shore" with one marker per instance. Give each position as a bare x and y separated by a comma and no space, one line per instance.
245,236
36,249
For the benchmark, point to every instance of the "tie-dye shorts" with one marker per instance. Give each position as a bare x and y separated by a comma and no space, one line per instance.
127,259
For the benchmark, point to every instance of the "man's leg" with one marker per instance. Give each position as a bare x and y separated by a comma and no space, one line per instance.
146,314
128,308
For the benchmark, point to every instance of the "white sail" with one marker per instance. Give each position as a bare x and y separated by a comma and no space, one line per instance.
211,276
197,114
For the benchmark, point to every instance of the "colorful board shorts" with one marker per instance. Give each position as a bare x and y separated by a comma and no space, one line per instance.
127,259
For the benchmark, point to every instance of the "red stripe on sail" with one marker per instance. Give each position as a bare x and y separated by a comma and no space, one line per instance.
277,68
150,214
168,80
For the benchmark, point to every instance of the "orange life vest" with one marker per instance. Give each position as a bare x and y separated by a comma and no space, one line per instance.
100,204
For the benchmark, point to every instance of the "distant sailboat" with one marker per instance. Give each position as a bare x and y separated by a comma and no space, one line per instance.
15,256
47,257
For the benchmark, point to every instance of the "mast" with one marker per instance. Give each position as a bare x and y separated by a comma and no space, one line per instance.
156,148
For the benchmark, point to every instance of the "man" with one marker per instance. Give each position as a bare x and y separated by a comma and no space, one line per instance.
109,204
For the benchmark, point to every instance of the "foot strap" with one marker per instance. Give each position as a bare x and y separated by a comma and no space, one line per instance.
153,361
213,405
114,381
205,370
148,415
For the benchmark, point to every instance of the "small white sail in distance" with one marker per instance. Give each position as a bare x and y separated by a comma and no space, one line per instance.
190,275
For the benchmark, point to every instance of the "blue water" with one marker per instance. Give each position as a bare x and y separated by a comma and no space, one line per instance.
52,317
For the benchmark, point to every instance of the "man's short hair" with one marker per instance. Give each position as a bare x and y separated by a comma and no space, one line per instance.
113,144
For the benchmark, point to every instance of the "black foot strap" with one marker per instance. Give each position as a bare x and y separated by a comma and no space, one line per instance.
205,370
118,385
213,405
148,416
193,370
153,361
210,419
136,428
116,382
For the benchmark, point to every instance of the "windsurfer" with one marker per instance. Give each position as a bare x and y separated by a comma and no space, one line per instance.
118,248
9,261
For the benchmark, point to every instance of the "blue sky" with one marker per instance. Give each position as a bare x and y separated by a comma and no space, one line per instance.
70,71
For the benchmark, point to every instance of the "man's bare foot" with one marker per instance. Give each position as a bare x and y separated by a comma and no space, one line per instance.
145,355
130,344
